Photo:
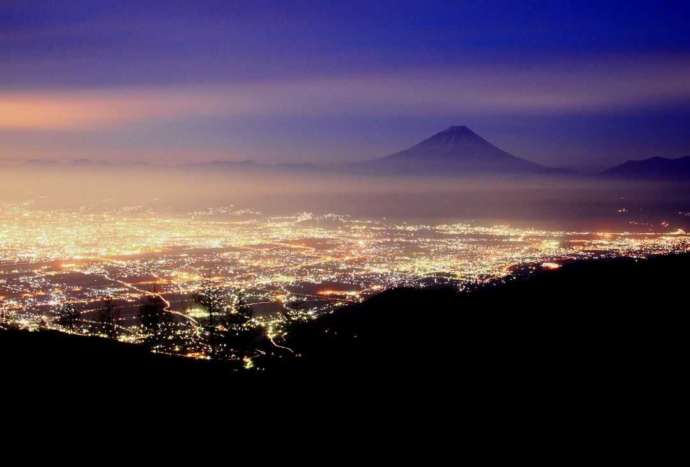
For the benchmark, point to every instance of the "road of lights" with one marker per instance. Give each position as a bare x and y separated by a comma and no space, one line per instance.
210,277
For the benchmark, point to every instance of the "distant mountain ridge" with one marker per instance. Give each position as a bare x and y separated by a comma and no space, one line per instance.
454,151
654,168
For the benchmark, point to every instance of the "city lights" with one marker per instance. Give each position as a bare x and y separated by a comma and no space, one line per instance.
183,283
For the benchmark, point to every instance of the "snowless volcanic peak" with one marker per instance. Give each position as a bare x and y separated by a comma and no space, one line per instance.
458,147
458,134
457,142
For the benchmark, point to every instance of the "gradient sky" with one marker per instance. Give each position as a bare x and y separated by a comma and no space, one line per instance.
565,83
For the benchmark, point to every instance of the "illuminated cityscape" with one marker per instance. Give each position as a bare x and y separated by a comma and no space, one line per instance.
401,214
225,282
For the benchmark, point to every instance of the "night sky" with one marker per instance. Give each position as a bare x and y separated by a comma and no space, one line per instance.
564,83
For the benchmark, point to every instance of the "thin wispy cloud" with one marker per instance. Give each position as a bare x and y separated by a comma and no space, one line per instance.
565,89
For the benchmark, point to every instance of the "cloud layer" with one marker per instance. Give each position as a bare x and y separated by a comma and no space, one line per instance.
575,88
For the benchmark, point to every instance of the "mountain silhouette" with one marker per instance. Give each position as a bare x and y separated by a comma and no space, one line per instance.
456,150
654,168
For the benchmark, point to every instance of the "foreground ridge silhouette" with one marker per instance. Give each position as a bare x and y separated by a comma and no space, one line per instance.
609,322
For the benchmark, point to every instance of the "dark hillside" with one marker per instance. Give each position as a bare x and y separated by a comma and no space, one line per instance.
601,327
587,323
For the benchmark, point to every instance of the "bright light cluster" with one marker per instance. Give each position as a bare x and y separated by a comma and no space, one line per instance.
232,272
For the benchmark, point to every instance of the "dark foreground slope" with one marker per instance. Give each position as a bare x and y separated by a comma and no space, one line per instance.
603,326
588,323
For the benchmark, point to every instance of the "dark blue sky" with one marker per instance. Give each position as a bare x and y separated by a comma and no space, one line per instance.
564,83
